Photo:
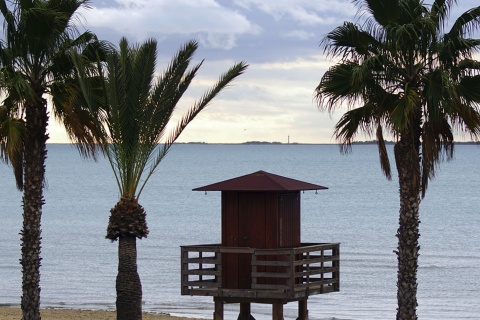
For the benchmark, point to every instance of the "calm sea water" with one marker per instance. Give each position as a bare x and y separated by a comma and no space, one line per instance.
360,210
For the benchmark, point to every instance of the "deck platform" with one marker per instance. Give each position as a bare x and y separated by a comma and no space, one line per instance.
278,276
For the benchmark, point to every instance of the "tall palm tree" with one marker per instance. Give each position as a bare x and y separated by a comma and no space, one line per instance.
136,108
401,72
37,55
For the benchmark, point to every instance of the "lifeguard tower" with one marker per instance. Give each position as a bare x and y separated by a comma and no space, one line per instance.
261,258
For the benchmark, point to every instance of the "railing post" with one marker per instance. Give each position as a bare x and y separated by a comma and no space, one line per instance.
322,266
200,265
254,269
336,264
307,268
291,274
184,270
218,267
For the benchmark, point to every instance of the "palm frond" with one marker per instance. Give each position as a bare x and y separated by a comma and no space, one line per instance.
77,96
12,137
336,87
437,141
382,152
138,107
440,12
70,107
403,113
361,119
167,92
467,23
348,40
469,64
469,89
386,13
224,80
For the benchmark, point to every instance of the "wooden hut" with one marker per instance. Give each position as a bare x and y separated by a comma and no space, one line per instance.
261,258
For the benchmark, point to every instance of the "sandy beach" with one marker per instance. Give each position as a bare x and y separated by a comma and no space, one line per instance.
7,313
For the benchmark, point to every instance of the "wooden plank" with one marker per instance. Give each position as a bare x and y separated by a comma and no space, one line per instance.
206,260
315,271
276,252
272,263
314,291
251,231
229,238
184,278
203,283
232,294
271,216
309,247
289,215
270,286
210,292
270,275
315,284
202,248
237,250
205,272
316,259
291,281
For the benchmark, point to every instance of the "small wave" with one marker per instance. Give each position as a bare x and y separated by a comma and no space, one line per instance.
431,266
9,305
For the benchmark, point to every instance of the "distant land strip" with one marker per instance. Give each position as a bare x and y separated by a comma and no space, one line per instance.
289,143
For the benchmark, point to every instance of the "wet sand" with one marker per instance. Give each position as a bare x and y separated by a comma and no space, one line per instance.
7,313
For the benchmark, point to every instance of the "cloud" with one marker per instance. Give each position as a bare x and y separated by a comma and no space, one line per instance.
300,35
216,25
305,12
270,102
274,99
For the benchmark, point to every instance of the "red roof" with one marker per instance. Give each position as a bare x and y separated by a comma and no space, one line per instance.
261,181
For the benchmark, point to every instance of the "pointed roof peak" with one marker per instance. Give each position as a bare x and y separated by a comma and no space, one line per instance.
260,181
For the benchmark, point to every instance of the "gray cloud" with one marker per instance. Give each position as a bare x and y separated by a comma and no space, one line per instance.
215,25
278,38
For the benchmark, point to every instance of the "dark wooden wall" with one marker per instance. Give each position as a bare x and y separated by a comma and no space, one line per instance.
261,220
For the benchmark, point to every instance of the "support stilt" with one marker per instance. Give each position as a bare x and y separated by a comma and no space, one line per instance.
277,311
245,312
218,313
302,310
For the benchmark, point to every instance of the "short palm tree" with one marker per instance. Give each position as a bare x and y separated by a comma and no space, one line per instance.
401,72
136,109
37,55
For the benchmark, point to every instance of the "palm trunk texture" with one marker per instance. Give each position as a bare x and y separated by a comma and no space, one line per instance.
129,287
127,223
408,232
35,154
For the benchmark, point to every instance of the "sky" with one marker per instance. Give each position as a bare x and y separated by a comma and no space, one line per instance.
273,100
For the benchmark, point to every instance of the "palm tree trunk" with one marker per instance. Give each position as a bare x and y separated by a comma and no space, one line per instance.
408,234
129,287
35,154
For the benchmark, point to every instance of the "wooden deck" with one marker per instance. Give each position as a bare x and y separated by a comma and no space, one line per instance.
277,275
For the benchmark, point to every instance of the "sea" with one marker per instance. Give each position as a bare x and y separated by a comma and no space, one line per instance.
359,210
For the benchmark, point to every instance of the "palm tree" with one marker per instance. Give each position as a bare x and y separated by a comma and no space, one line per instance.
136,108
401,72
37,55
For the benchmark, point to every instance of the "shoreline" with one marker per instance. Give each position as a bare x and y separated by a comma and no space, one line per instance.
14,312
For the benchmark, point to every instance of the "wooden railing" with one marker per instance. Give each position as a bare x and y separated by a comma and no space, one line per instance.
293,273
